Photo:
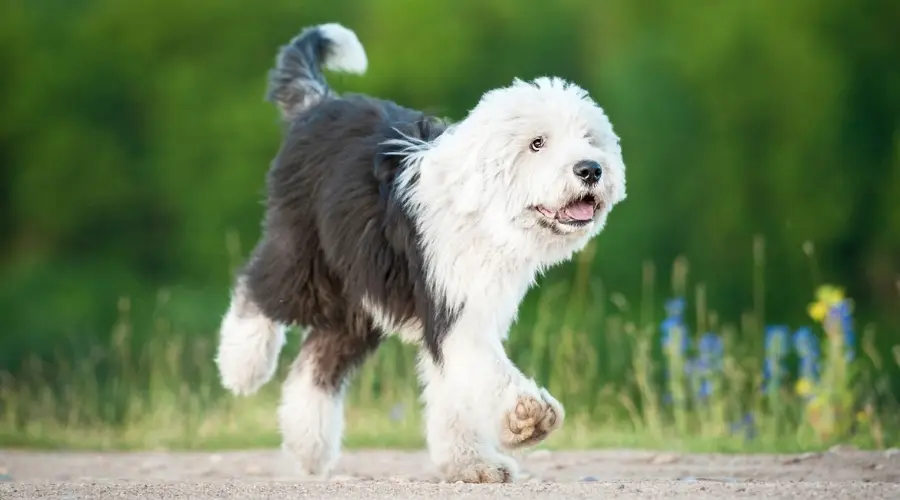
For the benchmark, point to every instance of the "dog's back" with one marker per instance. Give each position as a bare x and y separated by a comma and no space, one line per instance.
333,211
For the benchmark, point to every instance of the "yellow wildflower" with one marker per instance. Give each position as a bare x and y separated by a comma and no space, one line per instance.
817,311
803,387
827,296
830,295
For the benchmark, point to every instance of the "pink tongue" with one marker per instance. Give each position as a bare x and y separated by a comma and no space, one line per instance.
580,211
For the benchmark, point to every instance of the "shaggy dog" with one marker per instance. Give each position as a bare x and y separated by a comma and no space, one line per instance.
382,220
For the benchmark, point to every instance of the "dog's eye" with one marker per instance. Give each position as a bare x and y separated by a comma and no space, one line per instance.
537,144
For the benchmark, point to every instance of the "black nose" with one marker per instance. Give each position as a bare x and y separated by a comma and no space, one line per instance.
588,171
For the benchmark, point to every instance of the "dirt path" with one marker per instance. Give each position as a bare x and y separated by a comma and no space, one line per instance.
395,475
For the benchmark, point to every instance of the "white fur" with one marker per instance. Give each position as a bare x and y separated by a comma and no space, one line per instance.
311,421
466,399
484,248
347,53
249,344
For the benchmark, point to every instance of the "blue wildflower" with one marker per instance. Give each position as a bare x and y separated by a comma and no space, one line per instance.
705,389
777,346
673,327
674,324
675,307
840,315
747,425
398,412
698,373
712,349
777,340
674,338
806,345
708,361
692,367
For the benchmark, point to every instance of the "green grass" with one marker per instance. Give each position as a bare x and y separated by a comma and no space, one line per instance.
598,354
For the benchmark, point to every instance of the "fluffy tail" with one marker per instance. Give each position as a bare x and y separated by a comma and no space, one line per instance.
296,83
249,344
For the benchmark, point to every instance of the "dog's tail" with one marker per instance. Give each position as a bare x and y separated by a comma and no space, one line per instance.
296,83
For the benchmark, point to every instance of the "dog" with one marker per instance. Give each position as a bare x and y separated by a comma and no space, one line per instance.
383,220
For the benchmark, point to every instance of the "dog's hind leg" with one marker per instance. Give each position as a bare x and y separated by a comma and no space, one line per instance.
270,293
249,343
311,414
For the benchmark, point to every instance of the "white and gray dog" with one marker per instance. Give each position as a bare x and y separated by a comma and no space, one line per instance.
382,220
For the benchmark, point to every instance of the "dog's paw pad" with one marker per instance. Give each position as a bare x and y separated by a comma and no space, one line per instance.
531,421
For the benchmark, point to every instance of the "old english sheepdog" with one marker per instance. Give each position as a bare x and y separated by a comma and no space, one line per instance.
383,220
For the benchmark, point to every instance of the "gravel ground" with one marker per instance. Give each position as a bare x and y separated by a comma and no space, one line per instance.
398,475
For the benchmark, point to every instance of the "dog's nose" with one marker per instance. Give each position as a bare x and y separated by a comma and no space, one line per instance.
588,171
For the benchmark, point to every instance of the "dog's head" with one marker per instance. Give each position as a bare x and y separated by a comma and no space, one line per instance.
535,161
547,157
560,156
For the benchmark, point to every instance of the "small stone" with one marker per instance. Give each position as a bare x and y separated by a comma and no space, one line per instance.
621,486
5,477
891,452
688,479
589,479
215,458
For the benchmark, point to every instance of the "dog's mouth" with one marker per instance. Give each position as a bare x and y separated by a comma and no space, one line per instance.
578,212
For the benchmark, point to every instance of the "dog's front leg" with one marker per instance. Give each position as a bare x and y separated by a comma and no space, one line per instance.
477,402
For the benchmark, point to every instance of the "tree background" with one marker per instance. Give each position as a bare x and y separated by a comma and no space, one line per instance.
134,141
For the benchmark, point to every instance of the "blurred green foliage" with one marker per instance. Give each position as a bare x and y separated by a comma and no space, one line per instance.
134,141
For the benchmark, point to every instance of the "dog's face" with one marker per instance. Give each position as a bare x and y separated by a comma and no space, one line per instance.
534,168
551,162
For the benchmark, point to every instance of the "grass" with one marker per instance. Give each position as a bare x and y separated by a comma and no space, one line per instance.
625,379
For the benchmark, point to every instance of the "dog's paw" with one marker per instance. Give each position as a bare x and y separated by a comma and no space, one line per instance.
499,469
532,420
